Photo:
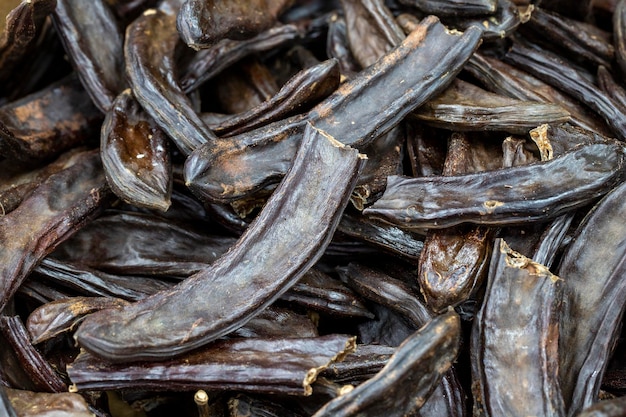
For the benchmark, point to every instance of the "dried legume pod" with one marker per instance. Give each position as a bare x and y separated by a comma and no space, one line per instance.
515,339
507,80
135,155
594,288
538,191
43,375
454,7
92,38
116,242
40,126
149,51
59,207
51,319
268,259
301,92
465,107
371,30
580,41
94,283
24,23
266,365
41,404
411,374
201,23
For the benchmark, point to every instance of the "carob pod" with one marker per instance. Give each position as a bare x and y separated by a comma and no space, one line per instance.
20,32
465,107
207,63
58,208
94,42
265,365
149,51
515,339
93,283
411,374
593,268
39,404
578,40
302,91
201,23
358,112
383,236
371,30
318,291
453,7
43,375
519,292
57,317
135,155
517,195
611,87
268,259
44,124
116,242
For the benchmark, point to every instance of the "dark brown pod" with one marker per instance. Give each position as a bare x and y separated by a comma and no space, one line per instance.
371,30
410,375
361,365
502,23
42,125
578,40
92,38
223,297
465,107
542,190
594,290
202,23
57,317
24,23
135,155
41,404
31,360
454,261
93,283
207,63
447,399
302,91
60,206
271,365
149,51
19,180
318,291
383,236
116,243
515,339
611,87
453,7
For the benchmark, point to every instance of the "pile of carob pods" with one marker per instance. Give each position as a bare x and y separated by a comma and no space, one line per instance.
312,208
